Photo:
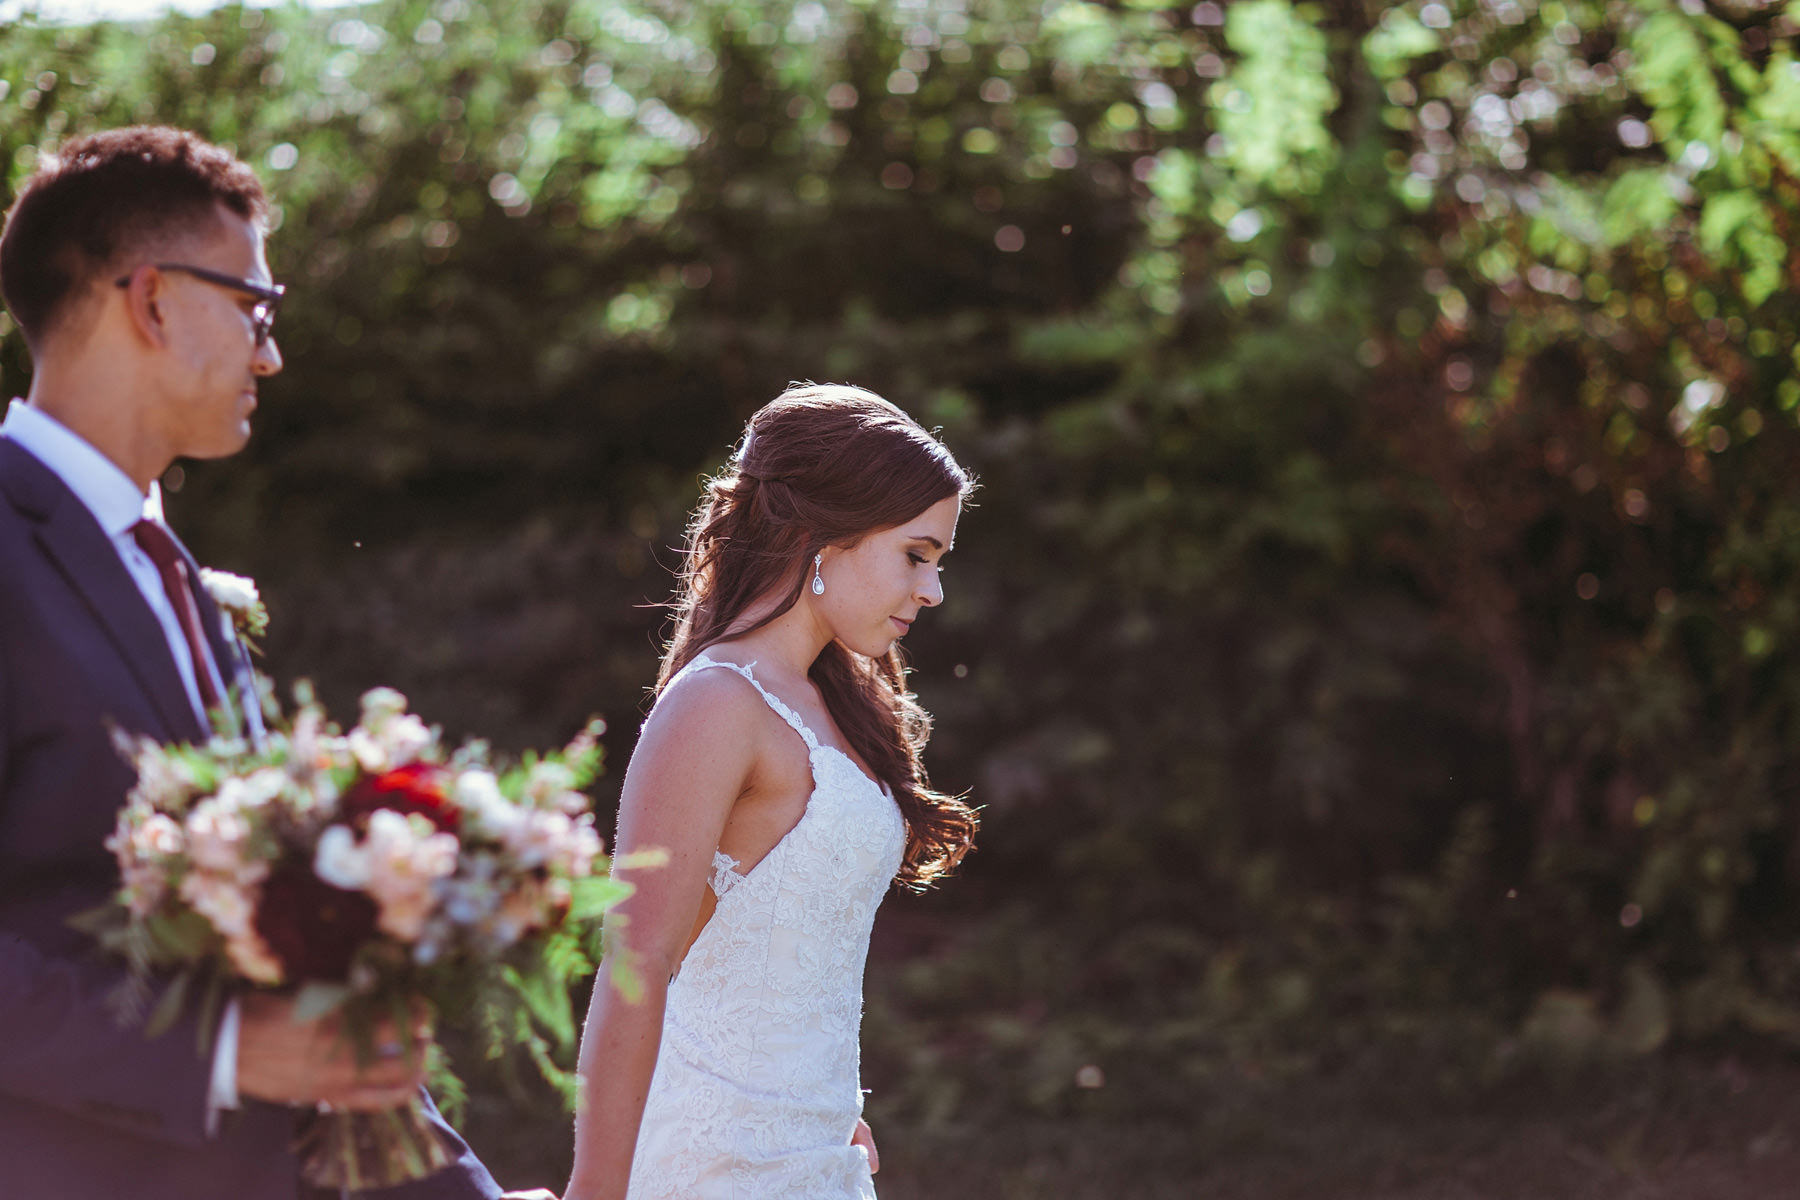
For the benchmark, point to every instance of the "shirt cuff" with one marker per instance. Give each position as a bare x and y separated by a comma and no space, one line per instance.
223,1093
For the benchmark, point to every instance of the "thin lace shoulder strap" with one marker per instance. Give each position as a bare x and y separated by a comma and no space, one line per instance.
701,662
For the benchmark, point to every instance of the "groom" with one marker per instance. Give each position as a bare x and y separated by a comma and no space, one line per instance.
133,264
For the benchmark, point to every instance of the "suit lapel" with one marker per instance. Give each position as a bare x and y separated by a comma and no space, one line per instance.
228,654
80,549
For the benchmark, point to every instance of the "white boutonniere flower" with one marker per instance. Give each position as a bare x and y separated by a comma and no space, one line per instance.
238,597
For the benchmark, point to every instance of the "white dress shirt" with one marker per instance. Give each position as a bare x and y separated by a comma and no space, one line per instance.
117,504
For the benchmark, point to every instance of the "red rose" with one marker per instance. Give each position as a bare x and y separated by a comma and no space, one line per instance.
414,788
311,926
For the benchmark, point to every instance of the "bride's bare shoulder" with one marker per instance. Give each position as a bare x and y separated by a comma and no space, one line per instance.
711,704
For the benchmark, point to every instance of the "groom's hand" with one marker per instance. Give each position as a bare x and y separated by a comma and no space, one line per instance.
286,1061
865,1137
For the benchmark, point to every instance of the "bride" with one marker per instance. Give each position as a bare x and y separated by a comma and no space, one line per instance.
780,770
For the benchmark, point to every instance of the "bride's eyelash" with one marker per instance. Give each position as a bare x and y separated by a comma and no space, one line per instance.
917,560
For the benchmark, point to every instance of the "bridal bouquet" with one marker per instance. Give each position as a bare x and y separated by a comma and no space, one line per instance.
372,873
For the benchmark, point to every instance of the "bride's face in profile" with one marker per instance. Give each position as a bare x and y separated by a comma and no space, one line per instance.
876,589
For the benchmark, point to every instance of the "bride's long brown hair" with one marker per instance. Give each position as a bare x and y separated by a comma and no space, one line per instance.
825,465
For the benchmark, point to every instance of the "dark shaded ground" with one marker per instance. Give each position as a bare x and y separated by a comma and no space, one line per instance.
1447,1121
1692,1127
1723,1125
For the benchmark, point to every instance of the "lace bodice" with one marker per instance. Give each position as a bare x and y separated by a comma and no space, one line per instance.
756,1091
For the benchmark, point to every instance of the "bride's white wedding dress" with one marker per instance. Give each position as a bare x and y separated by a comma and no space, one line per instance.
756,1092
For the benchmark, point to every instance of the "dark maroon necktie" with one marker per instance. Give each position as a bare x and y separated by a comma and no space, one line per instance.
159,544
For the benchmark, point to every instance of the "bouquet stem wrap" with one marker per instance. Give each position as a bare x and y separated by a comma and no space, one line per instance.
362,1150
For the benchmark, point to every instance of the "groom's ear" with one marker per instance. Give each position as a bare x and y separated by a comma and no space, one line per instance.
145,294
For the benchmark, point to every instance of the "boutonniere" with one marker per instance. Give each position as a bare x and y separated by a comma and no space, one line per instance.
238,597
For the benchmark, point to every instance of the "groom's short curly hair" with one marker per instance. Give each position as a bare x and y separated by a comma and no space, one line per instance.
103,200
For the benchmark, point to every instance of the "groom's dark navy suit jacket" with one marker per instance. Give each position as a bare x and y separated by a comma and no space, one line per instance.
90,1110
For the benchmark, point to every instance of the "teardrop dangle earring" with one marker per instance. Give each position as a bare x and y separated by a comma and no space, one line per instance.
818,583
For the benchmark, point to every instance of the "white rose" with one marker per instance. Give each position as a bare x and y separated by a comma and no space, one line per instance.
380,705
234,593
160,781
407,858
339,861
234,795
548,783
404,738
370,754
582,848
477,794
221,900
537,838
264,785
158,836
216,833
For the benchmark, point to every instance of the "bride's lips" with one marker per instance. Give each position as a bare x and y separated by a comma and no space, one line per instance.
901,623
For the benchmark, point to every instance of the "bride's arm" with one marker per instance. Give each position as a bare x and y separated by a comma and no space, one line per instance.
690,766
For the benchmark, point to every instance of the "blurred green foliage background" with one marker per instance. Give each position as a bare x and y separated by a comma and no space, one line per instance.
1380,620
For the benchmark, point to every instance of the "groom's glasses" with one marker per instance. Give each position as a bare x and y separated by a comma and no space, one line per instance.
262,317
